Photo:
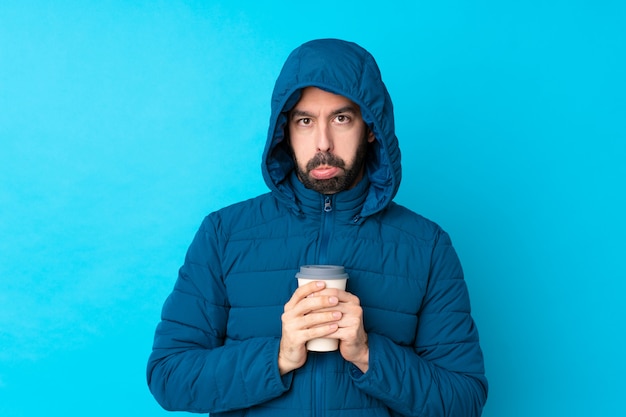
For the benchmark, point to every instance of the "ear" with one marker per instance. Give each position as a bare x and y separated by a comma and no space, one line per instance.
370,136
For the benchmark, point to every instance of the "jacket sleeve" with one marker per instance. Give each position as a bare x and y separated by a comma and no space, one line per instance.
443,373
191,368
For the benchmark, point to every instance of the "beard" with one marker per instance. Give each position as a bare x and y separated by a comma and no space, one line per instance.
341,182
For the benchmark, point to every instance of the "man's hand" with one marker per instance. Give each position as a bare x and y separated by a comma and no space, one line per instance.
307,315
351,333
314,311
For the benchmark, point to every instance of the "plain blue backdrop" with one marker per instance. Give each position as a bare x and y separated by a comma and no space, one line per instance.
122,123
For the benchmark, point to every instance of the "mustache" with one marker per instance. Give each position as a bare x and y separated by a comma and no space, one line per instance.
325,158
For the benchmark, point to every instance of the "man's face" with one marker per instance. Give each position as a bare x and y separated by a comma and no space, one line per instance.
329,141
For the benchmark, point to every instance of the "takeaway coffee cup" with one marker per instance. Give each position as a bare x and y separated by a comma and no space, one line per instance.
335,276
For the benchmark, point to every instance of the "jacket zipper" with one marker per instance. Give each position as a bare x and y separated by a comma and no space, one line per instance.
318,386
327,223
318,373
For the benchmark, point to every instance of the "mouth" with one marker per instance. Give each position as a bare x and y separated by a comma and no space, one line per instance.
324,172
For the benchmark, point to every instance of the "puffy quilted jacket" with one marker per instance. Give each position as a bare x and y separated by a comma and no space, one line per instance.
216,347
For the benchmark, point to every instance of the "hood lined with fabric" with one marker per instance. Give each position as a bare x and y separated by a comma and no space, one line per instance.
346,69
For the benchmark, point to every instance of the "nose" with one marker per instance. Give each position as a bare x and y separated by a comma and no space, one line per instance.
324,139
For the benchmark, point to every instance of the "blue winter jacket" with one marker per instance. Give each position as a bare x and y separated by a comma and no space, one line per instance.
216,347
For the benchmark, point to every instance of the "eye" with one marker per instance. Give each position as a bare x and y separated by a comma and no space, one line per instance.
343,119
305,121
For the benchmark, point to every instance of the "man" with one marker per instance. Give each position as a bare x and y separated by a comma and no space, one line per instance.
232,339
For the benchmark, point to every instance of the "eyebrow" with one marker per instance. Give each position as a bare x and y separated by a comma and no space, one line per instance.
345,109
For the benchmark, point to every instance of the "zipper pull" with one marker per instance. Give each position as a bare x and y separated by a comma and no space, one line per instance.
328,205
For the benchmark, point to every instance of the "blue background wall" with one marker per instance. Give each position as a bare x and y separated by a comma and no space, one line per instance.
123,123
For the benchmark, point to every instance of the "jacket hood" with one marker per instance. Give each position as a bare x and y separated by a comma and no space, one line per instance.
346,69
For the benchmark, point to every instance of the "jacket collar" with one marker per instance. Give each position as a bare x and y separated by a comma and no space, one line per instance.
346,205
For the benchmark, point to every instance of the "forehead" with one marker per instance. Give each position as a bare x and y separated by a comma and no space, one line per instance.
315,98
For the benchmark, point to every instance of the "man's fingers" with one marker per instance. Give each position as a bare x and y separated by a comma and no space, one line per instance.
303,292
